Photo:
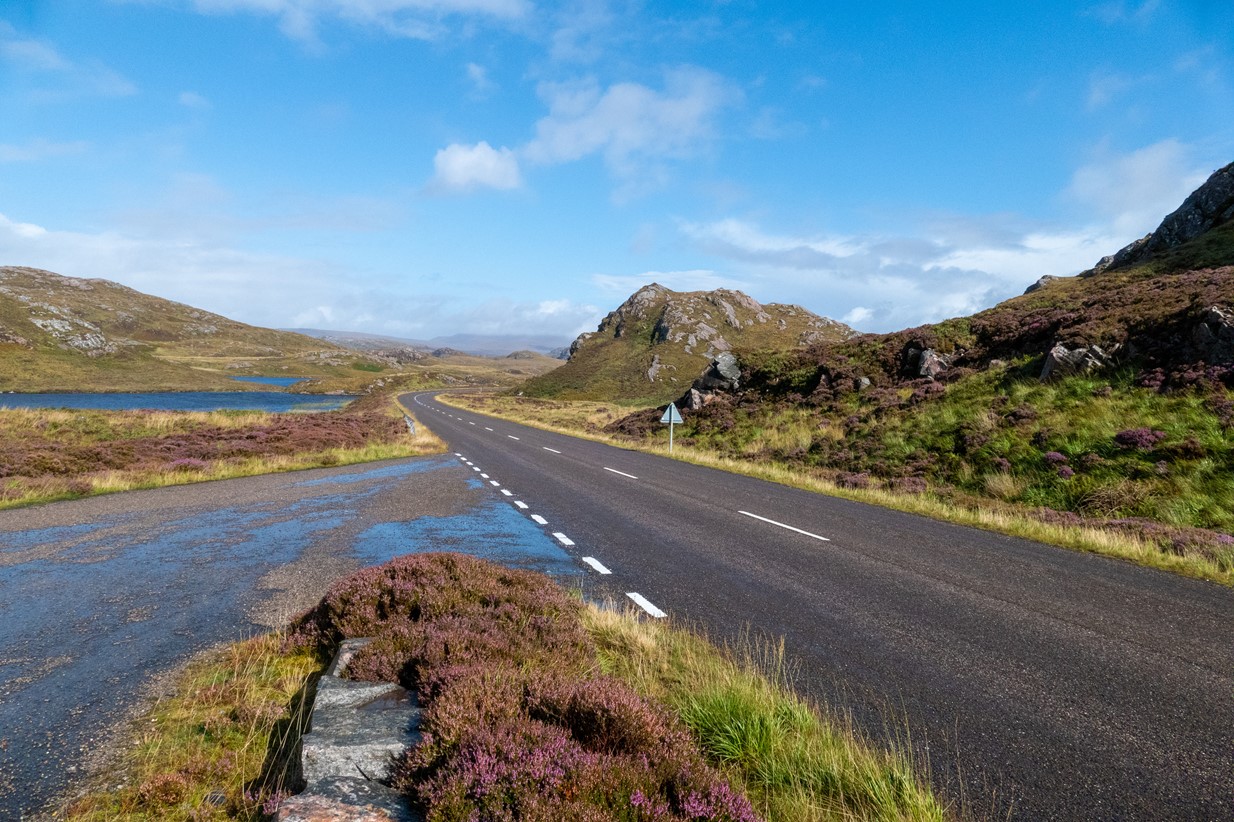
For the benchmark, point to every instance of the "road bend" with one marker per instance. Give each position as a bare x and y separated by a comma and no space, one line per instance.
1029,680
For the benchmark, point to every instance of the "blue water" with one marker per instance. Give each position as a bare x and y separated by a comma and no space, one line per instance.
280,381
274,401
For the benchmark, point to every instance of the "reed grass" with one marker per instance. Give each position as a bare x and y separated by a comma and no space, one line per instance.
795,761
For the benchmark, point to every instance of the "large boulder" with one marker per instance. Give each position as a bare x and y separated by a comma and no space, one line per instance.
1063,361
924,363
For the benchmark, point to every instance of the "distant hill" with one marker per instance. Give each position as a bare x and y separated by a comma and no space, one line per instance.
68,334
479,345
658,341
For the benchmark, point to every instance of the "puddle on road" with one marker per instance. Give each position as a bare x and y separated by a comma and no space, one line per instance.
88,607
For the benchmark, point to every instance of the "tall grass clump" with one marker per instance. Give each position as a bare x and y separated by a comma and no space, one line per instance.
518,720
795,761
221,746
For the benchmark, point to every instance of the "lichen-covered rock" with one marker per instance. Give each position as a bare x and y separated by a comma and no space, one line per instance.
1063,361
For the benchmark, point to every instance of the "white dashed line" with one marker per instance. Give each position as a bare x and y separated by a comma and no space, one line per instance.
470,423
596,564
507,492
494,483
554,450
475,468
539,519
484,476
782,525
563,539
486,428
457,454
522,506
641,601
622,473
511,436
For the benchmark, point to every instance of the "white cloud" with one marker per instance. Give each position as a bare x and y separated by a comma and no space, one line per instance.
1119,11
478,75
1132,192
858,315
49,76
462,168
1104,86
416,19
631,124
191,99
700,279
39,149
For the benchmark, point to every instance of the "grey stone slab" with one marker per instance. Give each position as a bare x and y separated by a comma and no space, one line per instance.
349,800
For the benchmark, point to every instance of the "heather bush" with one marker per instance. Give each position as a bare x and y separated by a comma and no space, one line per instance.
516,722
1142,438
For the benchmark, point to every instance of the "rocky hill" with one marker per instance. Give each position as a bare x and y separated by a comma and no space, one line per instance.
69,334
1104,396
658,341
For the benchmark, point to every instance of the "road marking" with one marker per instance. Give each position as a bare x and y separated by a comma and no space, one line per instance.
623,473
457,454
563,539
521,505
507,492
494,483
470,423
641,601
511,436
595,563
554,450
484,476
475,468
782,525
486,428
539,519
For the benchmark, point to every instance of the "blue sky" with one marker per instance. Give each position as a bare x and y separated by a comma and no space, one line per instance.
422,167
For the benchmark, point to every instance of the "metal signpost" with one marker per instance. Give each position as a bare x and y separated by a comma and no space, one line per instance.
673,417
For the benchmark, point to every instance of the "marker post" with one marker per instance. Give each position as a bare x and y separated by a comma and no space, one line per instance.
673,417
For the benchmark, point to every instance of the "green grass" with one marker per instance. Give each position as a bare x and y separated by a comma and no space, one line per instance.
794,761
219,747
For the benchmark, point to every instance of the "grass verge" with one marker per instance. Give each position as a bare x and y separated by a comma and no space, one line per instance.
793,761
219,747
587,419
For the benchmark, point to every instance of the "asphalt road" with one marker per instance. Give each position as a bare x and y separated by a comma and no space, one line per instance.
101,595
1035,682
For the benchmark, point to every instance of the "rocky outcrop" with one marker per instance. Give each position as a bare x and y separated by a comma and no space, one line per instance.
1213,335
924,363
1062,361
1209,206
1041,283
723,376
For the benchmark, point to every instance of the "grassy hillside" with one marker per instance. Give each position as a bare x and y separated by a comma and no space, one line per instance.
67,334
656,343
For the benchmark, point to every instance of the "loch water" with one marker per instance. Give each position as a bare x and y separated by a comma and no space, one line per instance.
273,401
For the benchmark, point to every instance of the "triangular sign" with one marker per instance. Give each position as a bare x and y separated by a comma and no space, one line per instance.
671,414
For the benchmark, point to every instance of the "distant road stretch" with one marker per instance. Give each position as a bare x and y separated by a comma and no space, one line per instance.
1037,681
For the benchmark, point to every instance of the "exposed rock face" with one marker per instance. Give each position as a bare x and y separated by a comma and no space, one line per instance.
1209,206
723,376
927,363
1063,361
1213,335
1040,284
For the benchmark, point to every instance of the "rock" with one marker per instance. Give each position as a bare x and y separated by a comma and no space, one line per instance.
1214,333
925,362
1042,283
654,369
862,383
578,343
1063,361
1209,206
693,400
724,374
348,800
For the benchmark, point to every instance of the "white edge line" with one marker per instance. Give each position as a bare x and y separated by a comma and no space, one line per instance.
597,565
622,473
782,525
641,601
563,539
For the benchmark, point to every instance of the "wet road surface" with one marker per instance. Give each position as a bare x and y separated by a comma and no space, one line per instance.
97,596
